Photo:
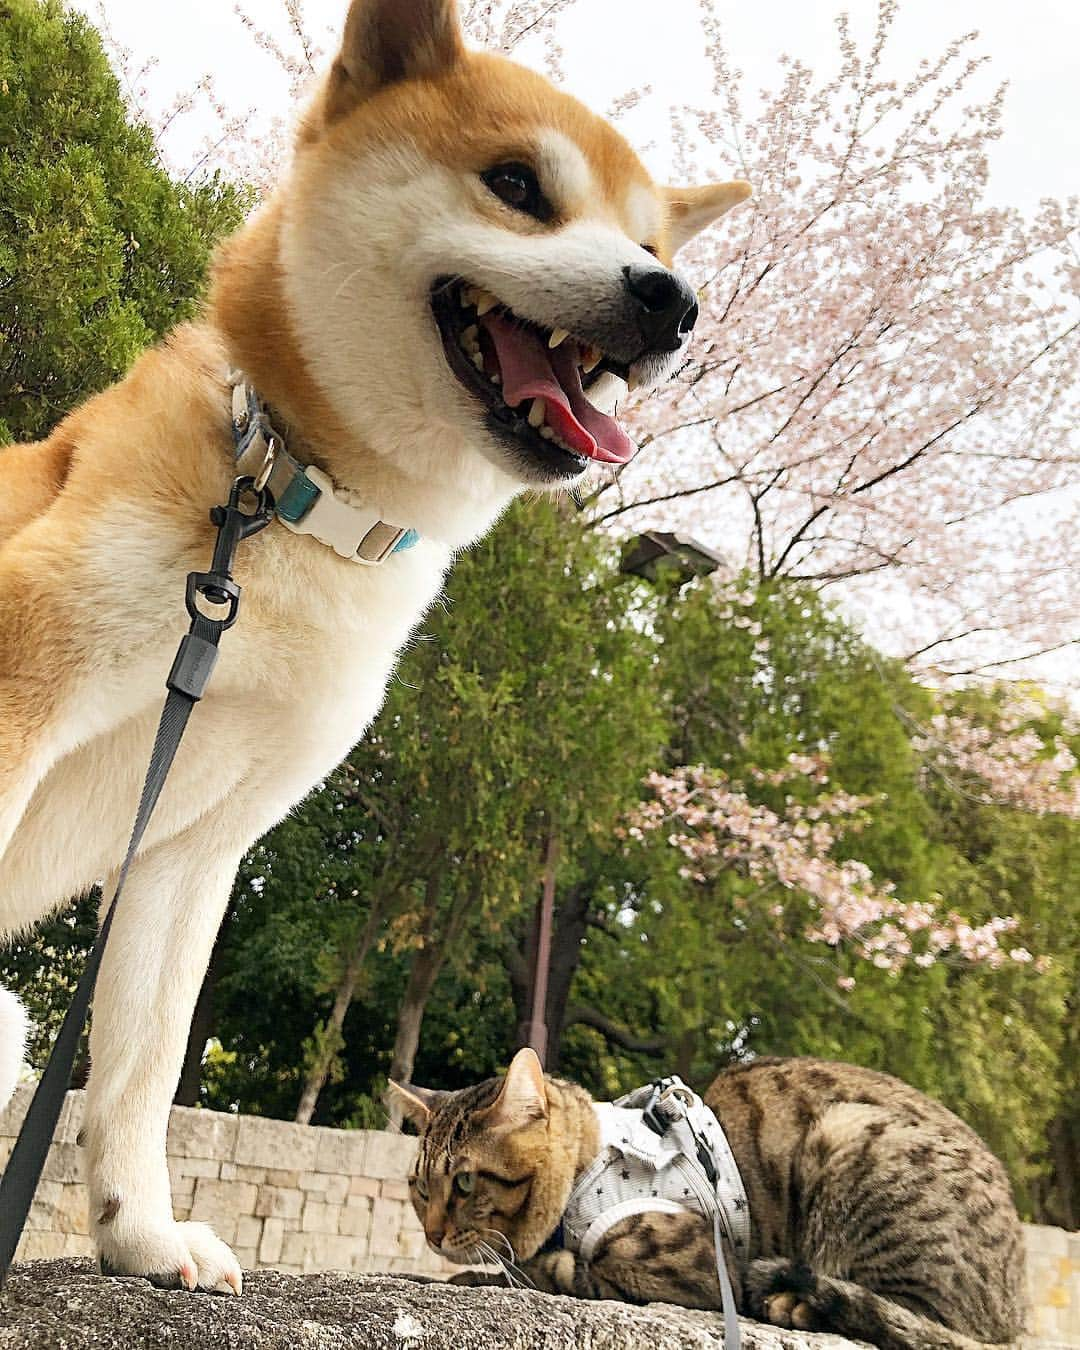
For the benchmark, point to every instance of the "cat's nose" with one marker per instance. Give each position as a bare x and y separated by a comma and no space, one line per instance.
435,1232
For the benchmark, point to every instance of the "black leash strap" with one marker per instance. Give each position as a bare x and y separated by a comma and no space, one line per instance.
187,680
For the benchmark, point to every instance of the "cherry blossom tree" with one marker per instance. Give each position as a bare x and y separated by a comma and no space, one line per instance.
882,393
784,861
1011,759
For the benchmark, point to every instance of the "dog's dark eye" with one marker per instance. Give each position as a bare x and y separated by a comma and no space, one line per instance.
517,186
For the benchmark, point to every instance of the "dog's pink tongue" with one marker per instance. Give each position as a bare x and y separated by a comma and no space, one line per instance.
531,370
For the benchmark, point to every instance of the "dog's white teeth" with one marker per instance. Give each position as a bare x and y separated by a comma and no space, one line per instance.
537,412
496,379
485,301
471,334
557,338
593,357
478,360
547,433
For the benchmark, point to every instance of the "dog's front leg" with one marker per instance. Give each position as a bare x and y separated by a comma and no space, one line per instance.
155,960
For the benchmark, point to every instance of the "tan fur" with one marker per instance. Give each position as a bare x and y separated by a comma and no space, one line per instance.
874,1212
324,301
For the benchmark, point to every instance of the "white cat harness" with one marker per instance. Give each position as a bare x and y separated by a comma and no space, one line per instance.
662,1151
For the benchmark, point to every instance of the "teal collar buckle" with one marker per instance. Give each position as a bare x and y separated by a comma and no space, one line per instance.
305,499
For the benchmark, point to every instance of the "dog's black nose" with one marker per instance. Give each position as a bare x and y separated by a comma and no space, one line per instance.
667,307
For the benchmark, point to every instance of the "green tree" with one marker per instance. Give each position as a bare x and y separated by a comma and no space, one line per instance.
101,252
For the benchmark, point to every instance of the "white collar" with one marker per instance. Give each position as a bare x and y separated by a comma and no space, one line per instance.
305,499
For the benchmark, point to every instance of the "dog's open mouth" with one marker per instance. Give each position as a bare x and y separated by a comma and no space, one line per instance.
532,380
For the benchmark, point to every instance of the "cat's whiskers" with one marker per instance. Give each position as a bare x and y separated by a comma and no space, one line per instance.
512,1265
490,1254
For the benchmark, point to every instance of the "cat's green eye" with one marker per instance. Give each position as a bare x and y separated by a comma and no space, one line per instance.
421,1187
464,1183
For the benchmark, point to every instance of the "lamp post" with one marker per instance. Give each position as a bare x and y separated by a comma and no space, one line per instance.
649,554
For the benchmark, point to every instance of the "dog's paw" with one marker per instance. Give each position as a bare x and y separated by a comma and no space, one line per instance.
175,1256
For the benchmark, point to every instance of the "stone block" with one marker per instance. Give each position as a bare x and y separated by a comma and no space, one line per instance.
194,1133
294,1249
389,1156
1046,1241
386,1217
275,1202
315,1182
72,1213
218,1201
78,1244
71,1118
248,1231
411,1245
355,1218
326,1251
364,1186
66,1162
40,1246
238,1172
183,1190
12,1115
273,1236
342,1151
247,1256
195,1167
264,1143
47,1198
337,1192
395,1190
320,1218
276,1177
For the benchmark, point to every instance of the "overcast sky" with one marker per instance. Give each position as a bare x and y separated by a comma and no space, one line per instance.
613,45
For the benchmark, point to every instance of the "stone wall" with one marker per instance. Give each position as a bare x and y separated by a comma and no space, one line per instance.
302,1199
296,1198
1054,1280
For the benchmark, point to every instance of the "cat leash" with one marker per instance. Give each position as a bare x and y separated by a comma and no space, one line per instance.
670,1100
186,683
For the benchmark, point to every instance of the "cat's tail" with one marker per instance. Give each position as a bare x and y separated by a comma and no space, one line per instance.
789,1293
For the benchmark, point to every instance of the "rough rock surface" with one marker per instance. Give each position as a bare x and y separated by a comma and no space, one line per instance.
64,1305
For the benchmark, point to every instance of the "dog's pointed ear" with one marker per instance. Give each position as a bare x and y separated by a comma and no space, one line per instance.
690,210
523,1095
387,41
415,1103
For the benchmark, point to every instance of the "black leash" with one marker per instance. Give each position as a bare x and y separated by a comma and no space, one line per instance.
187,681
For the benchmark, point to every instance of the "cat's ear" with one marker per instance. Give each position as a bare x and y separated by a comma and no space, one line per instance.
414,1103
690,210
523,1095
387,41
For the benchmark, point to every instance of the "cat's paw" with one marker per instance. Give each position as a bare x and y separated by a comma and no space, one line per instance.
477,1278
173,1255
789,1311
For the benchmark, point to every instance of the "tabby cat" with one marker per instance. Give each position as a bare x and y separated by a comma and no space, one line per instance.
874,1212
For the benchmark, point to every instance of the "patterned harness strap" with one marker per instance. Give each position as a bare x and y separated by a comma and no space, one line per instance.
663,1151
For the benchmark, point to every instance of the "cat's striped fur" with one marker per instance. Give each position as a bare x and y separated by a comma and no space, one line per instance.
875,1212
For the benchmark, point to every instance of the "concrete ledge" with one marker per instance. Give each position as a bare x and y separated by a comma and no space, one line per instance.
63,1305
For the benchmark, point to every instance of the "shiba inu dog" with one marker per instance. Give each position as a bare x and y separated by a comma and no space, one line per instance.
441,304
